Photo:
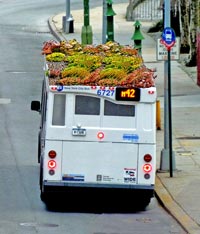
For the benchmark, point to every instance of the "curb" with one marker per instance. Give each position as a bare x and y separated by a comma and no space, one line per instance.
55,32
174,208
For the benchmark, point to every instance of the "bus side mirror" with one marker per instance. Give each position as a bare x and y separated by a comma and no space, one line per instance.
35,106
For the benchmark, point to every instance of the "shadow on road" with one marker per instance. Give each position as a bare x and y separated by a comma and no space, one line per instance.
95,203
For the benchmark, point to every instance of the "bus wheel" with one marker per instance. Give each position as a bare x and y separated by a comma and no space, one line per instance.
39,147
42,196
143,204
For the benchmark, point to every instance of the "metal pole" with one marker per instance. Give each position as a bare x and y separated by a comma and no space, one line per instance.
170,116
167,156
104,39
68,26
167,23
67,9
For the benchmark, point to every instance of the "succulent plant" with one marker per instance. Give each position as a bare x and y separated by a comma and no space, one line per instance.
109,64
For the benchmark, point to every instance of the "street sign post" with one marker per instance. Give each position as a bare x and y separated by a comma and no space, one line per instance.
168,39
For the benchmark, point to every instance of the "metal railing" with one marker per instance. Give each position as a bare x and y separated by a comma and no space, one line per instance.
146,10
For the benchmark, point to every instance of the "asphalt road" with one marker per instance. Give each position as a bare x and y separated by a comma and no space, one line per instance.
23,29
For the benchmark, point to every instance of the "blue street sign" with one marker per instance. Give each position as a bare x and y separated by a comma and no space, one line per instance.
168,37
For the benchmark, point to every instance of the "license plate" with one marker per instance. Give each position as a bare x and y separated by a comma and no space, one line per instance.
78,132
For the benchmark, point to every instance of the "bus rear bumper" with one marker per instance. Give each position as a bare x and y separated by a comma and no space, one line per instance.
97,196
51,186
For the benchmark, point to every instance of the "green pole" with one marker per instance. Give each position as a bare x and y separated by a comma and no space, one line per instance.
86,13
110,28
86,33
110,21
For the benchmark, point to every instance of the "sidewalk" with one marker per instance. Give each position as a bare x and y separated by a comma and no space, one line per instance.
180,193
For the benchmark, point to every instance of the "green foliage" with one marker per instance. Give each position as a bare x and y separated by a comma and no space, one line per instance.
109,64
89,62
55,57
113,73
127,64
73,71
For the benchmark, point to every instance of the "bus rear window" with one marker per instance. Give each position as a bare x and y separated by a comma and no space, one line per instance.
86,105
58,117
112,109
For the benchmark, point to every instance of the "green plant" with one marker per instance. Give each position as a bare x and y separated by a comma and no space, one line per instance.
56,57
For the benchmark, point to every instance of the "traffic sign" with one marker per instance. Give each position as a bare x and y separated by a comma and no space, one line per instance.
168,37
162,50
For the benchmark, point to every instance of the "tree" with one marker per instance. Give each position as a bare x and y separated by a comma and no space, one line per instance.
188,12
198,43
193,17
184,24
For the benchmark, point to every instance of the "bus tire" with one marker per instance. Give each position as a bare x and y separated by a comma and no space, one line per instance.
42,196
143,204
39,147
42,193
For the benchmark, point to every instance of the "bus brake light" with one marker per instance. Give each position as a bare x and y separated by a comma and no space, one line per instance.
147,167
51,164
151,91
100,135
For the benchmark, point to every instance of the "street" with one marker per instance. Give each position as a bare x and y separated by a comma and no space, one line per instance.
23,30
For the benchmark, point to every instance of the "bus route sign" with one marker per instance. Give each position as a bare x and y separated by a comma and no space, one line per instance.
168,37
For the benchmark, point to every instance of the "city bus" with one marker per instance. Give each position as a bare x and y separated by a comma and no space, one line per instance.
94,139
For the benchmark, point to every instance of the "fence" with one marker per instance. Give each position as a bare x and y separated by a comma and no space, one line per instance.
146,10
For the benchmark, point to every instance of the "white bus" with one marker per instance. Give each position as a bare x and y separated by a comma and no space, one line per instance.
94,138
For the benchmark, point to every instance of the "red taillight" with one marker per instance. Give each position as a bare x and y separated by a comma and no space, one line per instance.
53,88
151,92
147,158
147,167
100,135
51,164
52,154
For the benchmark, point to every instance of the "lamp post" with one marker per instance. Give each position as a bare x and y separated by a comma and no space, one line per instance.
137,37
104,24
86,33
110,21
